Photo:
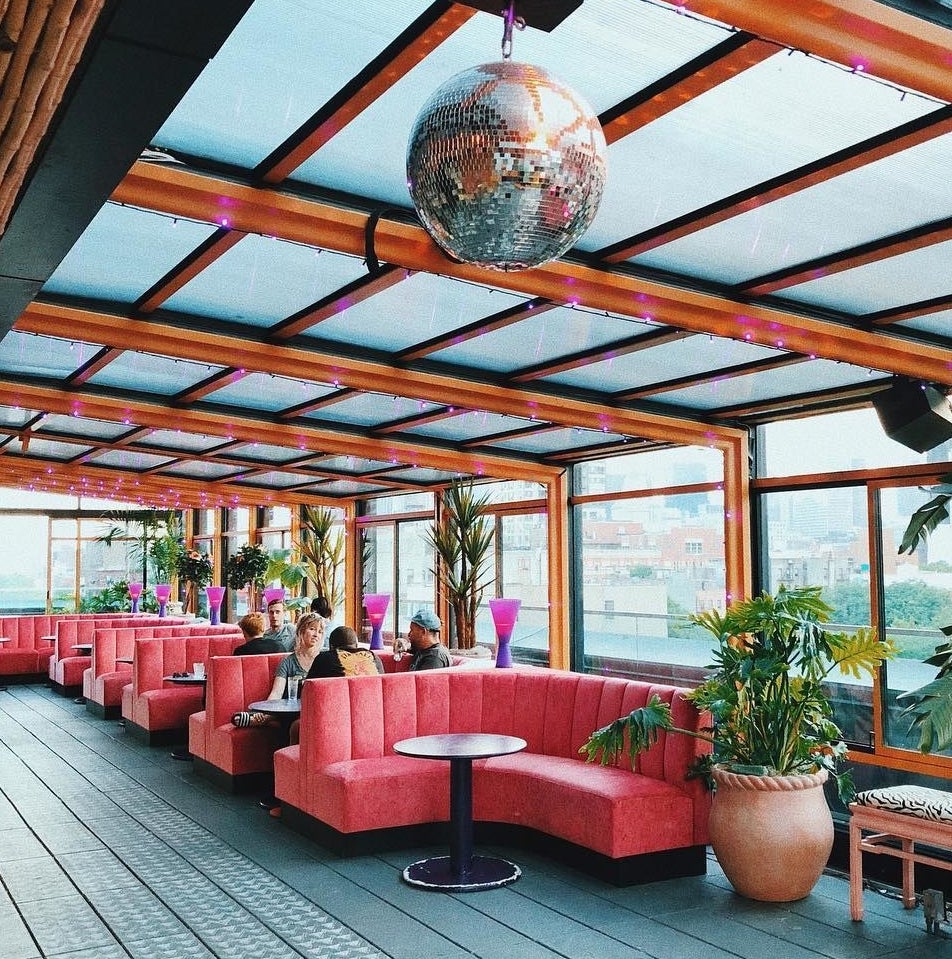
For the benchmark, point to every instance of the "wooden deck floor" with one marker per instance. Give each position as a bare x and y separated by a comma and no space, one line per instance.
111,849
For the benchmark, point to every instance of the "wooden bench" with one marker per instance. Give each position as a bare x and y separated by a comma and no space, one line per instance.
903,815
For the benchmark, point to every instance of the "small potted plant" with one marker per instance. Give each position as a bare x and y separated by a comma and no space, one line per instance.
195,570
247,567
773,738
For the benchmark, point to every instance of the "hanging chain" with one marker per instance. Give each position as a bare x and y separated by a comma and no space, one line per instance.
510,20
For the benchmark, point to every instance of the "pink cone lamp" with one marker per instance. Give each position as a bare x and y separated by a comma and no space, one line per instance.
135,591
272,593
215,596
504,613
376,605
162,593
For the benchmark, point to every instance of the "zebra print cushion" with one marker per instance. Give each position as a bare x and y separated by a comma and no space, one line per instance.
932,804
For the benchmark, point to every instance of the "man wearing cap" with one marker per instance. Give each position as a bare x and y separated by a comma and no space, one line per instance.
424,636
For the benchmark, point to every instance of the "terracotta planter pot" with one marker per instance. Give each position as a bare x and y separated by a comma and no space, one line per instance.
772,835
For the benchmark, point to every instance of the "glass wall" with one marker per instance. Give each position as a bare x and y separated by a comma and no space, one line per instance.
835,497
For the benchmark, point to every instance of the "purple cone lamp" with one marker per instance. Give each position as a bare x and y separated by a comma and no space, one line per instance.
376,605
215,596
162,593
135,591
504,613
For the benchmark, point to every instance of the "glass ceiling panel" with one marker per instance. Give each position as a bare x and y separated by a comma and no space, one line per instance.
49,449
131,460
560,440
911,277
421,475
349,464
757,387
605,51
371,409
664,362
15,416
198,469
265,453
342,488
81,426
182,441
541,338
420,307
471,425
262,280
123,253
247,100
259,391
31,355
837,214
278,480
939,324
690,157
145,372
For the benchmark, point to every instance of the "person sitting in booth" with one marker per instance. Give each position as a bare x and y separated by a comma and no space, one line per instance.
427,652
345,657
252,627
278,629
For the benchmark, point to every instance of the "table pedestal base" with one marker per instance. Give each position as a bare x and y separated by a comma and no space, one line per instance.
485,872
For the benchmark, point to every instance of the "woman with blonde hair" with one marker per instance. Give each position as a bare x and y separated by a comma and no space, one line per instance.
308,639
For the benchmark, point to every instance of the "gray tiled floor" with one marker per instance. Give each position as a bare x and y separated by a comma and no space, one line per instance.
111,849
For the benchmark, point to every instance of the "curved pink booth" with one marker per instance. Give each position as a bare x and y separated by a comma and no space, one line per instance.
625,826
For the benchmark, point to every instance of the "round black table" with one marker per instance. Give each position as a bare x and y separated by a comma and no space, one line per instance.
285,711
460,871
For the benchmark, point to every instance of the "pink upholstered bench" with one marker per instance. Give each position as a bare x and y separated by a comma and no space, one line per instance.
155,711
66,666
238,760
105,678
339,784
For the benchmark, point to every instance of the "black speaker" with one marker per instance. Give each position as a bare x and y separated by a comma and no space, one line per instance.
915,414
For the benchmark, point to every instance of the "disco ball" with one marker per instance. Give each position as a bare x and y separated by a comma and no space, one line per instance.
506,166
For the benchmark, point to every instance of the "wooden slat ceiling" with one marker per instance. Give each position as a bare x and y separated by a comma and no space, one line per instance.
108,383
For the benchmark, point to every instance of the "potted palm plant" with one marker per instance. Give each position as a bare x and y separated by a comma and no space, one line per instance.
462,538
195,570
773,738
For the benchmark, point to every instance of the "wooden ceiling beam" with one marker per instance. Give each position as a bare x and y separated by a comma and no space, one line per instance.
712,376
863,34
158,413
355,292
219,243
905,137
599,354
737,53
489,324
210,385
34,473
862,255
92,366
358,374
423,36
335,227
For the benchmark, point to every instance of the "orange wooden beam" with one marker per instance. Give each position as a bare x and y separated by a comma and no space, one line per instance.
184,193
867,34
734,56
379,79
251,429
